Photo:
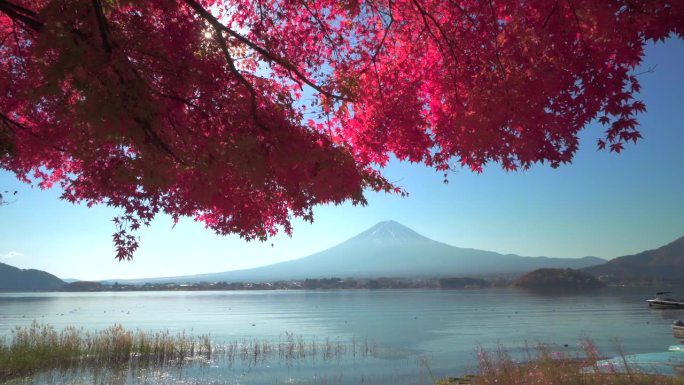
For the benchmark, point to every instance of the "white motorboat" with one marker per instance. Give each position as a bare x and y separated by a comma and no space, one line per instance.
661,301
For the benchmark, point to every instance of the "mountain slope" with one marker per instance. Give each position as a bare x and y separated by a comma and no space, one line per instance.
666,262
12,278
390,249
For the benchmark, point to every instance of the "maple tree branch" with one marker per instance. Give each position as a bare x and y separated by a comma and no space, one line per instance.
20,50
648,70
18,13
175,128
206,15
241,79
579,30
381,89
427,25
465,13
178,99
152,136
149,83
144,122
322,25
13,124
497,55
4,39
152,55
102,24
548,17
382,41
18,8
426,15
495,32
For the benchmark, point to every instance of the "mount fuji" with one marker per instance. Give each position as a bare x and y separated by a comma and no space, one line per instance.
390,249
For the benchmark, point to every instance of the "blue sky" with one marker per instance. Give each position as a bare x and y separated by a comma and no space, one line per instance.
604,204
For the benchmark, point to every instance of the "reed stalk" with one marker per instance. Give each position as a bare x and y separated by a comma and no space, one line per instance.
545,365
40,347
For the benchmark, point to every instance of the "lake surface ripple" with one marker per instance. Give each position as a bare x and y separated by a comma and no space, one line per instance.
381,337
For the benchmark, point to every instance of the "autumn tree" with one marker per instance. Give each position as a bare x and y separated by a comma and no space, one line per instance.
245,113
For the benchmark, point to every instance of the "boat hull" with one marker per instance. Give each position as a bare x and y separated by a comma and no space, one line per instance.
663,304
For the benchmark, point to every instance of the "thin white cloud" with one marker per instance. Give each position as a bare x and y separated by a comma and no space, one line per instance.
12,254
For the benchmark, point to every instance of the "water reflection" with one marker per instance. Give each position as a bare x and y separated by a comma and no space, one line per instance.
440,326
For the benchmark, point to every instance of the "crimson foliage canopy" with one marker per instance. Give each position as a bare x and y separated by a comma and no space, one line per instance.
246,113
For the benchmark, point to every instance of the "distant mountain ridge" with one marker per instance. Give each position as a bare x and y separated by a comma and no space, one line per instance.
12,278
389,249
664,263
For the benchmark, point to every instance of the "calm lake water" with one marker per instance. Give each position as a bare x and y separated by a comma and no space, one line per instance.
412,334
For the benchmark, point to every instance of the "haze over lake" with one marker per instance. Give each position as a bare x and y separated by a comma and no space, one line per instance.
411,332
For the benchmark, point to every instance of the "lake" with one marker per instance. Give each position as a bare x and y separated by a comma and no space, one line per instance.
383,337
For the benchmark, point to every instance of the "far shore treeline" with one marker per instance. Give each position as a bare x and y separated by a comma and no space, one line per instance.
544,279
332,283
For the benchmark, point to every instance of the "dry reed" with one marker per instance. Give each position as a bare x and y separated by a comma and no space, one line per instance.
543,365
39,348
